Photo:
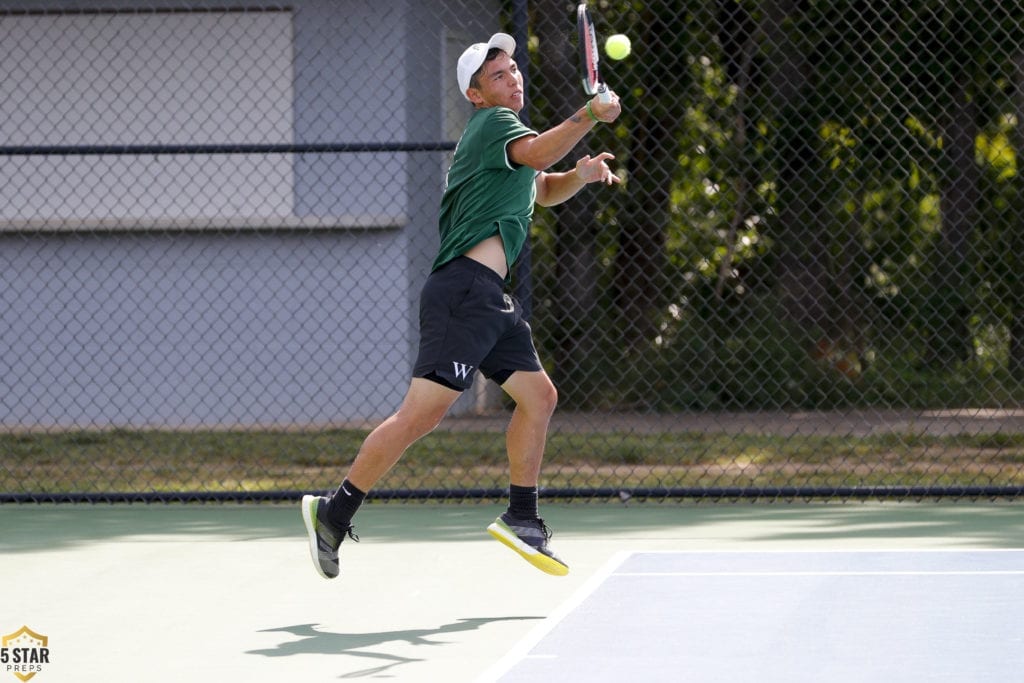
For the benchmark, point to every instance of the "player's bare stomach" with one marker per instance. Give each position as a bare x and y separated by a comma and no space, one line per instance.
491,253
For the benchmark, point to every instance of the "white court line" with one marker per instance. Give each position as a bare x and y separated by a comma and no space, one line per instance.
836,551
522,649
980,572
832,551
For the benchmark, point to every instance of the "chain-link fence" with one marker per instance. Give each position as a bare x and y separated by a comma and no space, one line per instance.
215,222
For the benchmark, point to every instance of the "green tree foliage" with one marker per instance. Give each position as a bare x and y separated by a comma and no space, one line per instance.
822,206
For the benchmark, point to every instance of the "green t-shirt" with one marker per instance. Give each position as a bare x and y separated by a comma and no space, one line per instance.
485,193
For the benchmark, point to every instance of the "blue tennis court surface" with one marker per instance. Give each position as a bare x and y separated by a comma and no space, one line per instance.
785,616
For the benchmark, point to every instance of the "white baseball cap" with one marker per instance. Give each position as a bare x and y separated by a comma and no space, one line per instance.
473,58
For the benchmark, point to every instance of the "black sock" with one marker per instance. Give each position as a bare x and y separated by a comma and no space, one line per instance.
522,502
342,506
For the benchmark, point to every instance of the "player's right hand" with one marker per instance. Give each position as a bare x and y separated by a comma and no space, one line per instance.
606,112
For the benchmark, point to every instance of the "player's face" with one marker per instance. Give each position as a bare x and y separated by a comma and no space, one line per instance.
501,84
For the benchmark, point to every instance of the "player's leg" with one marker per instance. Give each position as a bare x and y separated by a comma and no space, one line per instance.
520,527
425,405
535,398
447,355
329,520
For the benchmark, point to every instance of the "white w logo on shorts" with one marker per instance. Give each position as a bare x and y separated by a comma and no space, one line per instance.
462,370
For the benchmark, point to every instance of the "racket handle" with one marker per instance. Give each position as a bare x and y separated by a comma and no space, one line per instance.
603,94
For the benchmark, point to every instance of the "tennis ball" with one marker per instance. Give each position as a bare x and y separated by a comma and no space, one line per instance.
617,46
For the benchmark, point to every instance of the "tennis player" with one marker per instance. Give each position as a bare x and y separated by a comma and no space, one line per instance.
468,323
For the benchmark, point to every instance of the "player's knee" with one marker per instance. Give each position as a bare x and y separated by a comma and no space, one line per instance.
428,422
547,398
534,393
418,423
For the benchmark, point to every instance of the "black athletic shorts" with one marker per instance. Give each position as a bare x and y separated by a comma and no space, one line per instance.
469,323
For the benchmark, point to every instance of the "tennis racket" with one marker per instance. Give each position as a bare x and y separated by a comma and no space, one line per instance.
592,84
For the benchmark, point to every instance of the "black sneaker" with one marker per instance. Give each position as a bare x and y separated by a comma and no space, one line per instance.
324,539
529,538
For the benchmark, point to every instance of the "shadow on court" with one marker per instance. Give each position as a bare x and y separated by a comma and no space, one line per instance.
314,641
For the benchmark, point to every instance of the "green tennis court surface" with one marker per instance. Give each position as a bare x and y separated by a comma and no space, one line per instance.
227,593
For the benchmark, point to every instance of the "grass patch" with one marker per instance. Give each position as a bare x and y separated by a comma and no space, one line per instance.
123,461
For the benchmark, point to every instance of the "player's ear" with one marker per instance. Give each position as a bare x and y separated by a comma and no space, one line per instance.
475,96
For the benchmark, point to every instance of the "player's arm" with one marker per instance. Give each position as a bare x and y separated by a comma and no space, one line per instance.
555,188
541,151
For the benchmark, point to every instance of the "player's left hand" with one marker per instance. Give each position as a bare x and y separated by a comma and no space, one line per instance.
595,169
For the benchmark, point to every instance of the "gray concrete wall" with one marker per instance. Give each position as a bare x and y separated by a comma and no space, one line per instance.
149,325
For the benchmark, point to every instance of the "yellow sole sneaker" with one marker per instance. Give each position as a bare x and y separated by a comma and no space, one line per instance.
507,531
